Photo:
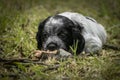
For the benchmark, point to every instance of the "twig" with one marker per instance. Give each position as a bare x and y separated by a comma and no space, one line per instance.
13,60
112,47
9,75
29,61
56,66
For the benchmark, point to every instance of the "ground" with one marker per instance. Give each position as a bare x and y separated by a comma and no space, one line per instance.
19,20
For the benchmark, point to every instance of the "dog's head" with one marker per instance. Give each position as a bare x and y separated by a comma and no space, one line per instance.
59,32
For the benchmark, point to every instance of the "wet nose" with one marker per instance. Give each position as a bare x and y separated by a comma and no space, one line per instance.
52,46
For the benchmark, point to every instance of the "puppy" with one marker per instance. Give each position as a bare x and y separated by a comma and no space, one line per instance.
63,30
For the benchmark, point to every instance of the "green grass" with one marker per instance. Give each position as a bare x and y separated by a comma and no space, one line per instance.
19,20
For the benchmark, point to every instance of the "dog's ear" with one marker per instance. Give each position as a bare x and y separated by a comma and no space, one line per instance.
40,32
77,37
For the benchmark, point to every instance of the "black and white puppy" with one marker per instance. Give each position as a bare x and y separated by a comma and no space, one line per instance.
62,30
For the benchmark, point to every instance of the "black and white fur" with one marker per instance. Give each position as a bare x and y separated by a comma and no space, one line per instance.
62,30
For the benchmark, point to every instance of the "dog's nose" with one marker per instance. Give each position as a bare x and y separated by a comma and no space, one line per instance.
52,46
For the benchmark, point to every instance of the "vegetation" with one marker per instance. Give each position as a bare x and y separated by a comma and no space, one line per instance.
19,20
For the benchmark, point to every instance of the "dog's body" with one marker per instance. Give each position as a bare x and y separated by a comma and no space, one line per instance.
62,30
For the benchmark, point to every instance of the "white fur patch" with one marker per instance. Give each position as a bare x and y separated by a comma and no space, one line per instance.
93,32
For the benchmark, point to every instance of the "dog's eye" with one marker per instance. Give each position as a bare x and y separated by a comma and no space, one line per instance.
45,35
62,35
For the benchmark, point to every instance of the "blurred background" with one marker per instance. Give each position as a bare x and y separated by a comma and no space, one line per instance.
19,20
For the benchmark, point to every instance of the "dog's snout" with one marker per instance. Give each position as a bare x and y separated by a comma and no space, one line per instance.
52,46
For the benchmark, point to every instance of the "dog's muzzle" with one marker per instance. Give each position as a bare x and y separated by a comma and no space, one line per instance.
54,43
52,46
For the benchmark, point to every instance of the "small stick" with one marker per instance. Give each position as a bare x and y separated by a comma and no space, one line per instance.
112,47
38,53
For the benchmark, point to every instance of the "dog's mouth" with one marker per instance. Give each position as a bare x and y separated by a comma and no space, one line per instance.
52,47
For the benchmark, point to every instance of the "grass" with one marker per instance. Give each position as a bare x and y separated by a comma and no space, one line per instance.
74,47
19,20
